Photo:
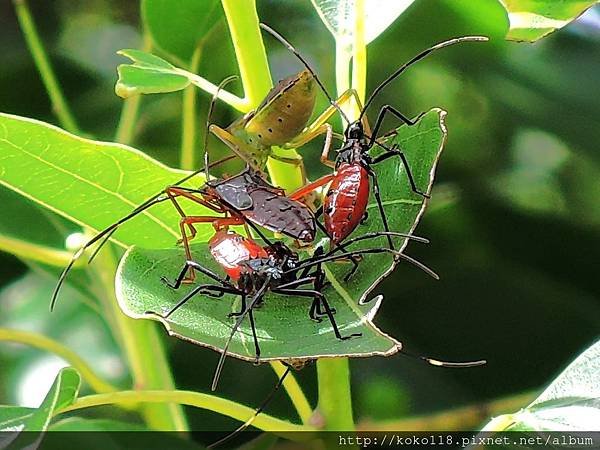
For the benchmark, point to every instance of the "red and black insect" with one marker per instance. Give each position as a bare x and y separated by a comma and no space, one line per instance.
245,199
254,270
346,198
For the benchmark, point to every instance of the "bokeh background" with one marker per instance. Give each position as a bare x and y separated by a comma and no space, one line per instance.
514,221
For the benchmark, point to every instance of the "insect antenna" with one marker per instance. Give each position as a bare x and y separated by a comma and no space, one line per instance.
258,410
416,58
107,233
292,49
257,297
375,234
396,253
448,364
211,108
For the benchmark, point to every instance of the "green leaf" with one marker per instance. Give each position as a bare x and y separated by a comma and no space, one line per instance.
178,29
284,329
570,403
531,20
148,74
338,16
62,393
89,182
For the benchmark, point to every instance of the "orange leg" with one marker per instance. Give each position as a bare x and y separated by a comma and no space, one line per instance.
311,187
217,222
173,192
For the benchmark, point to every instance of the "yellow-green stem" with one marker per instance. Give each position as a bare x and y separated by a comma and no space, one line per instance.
359,52
43,343
142,347
36,48
295,393
335,400
35,252
188,398
248,44
129,111
189,119
242,19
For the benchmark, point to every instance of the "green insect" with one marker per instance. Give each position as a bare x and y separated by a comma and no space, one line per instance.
280,120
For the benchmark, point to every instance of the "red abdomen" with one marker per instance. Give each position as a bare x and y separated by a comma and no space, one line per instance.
231,249
346,201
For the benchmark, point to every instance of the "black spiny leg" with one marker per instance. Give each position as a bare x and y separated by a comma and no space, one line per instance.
381,116
395,151
194,265
321,297
242,307
208,289
386,227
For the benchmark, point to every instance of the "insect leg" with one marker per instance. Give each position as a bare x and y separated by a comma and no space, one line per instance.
256,299
242,306
311,187
197,290
381,116
258,410
194,265
395,151
236,145
328,312
254,336
380,206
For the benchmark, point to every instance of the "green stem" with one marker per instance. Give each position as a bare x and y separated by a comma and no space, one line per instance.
59,104
249,49
142,346
188,398
50,345
130,109
243,24
189,119
35,252
335,402
227,97
359,53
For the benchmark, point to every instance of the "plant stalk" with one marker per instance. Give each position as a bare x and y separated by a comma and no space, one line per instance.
42,62
43,343
243,22
142,347
335,399
189,118
189,398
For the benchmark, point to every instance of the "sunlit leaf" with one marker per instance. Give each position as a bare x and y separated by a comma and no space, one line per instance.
89,182
192,20
148,74
570,403
33,232
284,328
62,393
531,20
339,16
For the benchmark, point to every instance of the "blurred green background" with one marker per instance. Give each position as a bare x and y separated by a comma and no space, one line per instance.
514,221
